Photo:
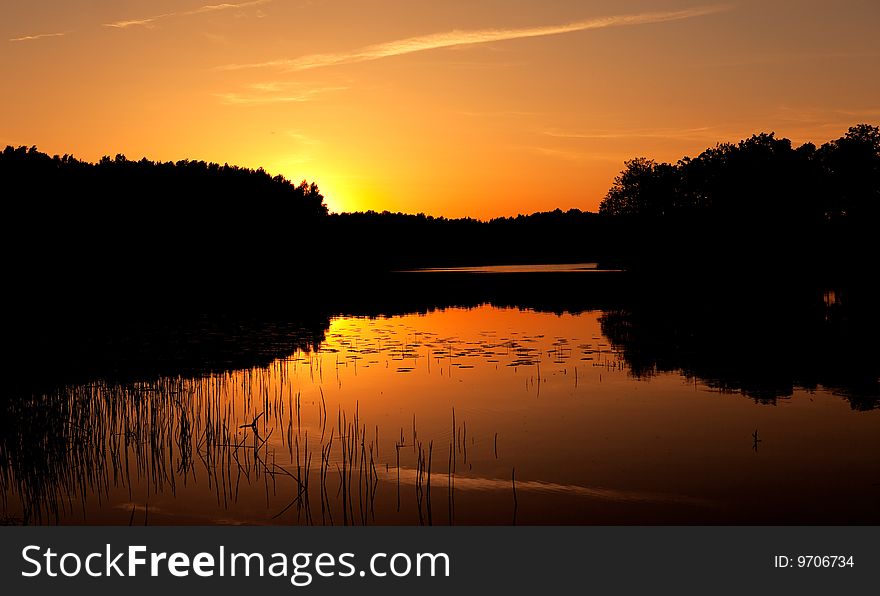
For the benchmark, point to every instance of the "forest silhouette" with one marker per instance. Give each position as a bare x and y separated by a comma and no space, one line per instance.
761,178
760,204
128,270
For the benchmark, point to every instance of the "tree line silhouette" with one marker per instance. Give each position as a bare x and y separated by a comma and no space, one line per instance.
760,178
151,189
118,229
104,250
141,232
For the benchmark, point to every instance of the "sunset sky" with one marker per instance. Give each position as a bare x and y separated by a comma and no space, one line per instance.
460,108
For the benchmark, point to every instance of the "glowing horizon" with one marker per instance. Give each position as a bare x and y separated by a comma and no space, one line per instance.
479,109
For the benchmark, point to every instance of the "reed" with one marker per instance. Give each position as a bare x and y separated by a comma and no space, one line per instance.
229,433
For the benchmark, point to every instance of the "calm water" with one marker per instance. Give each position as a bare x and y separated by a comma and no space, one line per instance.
482,415
505,269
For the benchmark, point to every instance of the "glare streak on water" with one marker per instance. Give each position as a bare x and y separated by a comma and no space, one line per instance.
501,269
410,476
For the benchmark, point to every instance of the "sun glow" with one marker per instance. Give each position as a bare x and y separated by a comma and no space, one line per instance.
459,110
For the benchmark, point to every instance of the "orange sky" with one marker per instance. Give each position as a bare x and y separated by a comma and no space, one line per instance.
462,108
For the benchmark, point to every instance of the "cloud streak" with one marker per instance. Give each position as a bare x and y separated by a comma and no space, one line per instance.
150,21
37,36
465,38
147,22
276,92
659,133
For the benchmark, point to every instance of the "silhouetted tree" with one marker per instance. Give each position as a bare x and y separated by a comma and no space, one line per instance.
123,230
851,170
762,178
185,188
644,188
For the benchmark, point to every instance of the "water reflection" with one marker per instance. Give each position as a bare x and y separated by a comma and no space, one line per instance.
466,414
507,269
765,351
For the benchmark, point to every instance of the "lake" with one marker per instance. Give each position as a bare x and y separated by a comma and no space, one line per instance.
482,413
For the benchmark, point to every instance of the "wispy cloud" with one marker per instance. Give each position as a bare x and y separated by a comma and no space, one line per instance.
300,137
500,114
150,21
147,22
656,133
569,155
250,100
277,92
464,38
820,114
38,36
793,57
